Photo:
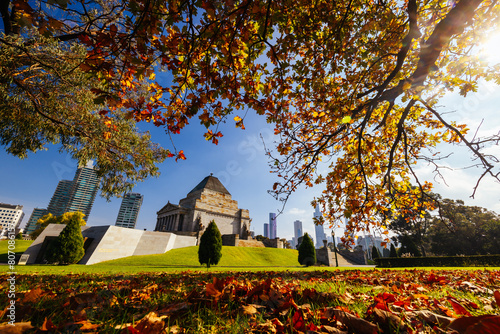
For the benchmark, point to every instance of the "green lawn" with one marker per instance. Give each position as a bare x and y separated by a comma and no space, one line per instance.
20,247
181,259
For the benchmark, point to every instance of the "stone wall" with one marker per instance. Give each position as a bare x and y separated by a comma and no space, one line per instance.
230,240
325,256
357,255
273,243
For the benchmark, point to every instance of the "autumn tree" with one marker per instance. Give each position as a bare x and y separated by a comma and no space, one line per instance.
210,249
65,218
307,252
67,248
354,84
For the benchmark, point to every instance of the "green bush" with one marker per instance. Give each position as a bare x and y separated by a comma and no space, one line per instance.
375,253
68,247
393,252
307,252
210,250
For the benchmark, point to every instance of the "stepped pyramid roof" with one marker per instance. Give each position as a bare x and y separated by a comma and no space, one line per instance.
211,183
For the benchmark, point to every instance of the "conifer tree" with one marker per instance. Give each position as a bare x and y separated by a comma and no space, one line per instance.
393,252
307,252
210,250
375,253
68,247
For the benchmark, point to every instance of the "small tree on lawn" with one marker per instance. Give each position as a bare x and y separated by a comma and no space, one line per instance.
68,247
375,253
307,252
393,252
210,250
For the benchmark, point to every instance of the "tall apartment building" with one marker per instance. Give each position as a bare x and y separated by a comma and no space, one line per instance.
266,230
320,231
83,190
33,221
59,201
129,210
273,228
11,217
298,232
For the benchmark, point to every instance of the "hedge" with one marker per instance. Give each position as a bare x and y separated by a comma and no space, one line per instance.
440,261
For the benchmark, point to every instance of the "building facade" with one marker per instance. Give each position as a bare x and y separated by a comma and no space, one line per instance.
320,231
129,210
31,226
59,201
208,201
266,230
11,217
273,226
298,231
83,190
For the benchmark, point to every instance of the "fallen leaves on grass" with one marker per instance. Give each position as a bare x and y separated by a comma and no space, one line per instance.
339,302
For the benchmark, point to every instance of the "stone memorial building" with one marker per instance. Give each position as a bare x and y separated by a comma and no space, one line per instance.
208,201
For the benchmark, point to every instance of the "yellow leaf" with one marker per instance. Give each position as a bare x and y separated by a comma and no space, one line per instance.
346,119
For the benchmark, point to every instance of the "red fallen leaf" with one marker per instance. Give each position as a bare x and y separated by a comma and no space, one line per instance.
496,294
457,307
298,321
280,327
386,297
486,324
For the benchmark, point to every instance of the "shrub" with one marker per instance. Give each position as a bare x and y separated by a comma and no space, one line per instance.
307,252
210,250
375,253
393,252
68,247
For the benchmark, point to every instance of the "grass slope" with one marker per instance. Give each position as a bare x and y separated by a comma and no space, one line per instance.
182,259
20,247
231,257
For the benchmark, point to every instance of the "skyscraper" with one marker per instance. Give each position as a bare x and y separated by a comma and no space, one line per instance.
266,230
273,228
33,221
129,210
320,231
83,190
297,228
60,199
